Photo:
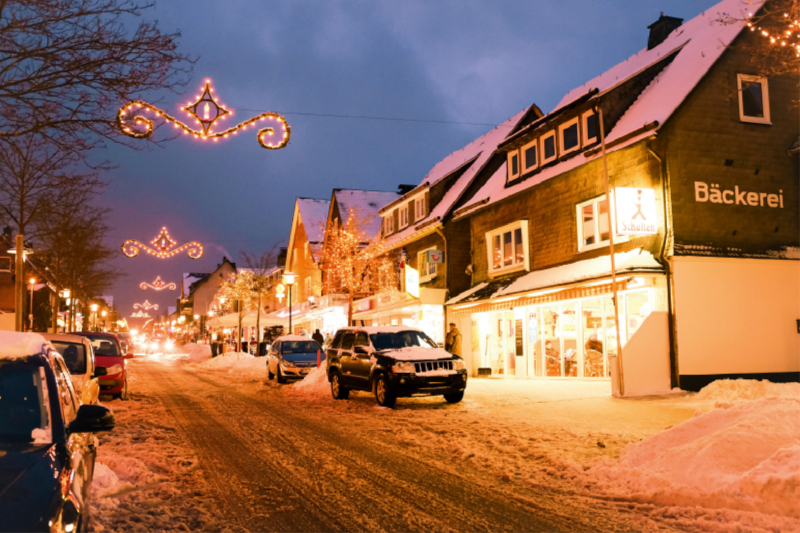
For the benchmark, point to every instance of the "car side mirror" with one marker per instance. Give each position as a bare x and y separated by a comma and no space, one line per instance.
92,419
360,350
100,371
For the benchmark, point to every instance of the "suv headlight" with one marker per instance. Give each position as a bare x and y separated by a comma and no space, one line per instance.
404,366
287,364
458,364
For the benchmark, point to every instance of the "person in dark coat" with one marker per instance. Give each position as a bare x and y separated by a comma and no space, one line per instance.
317,336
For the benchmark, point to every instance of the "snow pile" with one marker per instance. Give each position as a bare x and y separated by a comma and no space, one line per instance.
743,456
315,385
738,390
236,362
200,352
106,482
418,353
14,345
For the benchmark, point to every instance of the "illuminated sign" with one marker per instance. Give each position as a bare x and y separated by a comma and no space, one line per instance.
635,211
705,193
412,281
435,256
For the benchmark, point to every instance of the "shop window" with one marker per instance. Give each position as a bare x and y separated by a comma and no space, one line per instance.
591,128
569,138
530,156
507,248
420,209
513,165
427,270
549,147
753,99
592,217
404,216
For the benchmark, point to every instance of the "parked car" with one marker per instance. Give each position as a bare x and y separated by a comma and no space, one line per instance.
393,362
78,354
292,357
47,451
109,355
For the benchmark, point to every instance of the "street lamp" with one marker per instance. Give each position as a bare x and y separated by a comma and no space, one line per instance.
32,282
94,314
289,279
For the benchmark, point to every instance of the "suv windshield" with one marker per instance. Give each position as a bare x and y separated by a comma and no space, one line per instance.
299,347
401,339
24,412
104,346
74,355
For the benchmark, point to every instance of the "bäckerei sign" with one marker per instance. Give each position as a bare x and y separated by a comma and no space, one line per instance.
710,192
635,211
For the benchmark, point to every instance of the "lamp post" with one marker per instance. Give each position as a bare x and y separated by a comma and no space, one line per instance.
289,279
32,282
94,314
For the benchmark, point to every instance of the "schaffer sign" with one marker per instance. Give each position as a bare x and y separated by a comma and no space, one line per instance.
635,211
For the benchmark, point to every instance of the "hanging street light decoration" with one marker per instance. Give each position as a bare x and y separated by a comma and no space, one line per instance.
158,285
140,314
205,111
164,247
146,305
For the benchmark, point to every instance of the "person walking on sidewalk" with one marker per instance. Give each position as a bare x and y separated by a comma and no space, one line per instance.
453,341
317,336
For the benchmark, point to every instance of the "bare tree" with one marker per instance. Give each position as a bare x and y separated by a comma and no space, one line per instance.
260,266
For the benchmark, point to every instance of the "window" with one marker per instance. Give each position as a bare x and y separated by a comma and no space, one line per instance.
420,209
5,264
753,99
593,224
548,147
306,250
388,223
347,342
530,155
361,339
568,133
404,216
513,165
307,286
427,271
591,129
507,247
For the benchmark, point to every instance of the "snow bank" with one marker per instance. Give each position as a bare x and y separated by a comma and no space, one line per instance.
236,362
315,385
200,352
106,482
743,456
14,345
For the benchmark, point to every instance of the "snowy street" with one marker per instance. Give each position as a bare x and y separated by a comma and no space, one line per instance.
510,457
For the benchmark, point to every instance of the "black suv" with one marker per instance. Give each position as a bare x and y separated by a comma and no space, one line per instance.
392,362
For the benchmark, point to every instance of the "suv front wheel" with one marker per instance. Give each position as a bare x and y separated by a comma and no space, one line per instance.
383,391
454,397
338,391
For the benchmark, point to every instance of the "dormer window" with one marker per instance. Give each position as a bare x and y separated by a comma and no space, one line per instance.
591,131
549,147
513,165
404,216
388,223
568,133
420,209
530,156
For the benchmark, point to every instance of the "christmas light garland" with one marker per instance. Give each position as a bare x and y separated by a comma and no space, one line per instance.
140,314
146,305
165,247
158,285
789,37
211,111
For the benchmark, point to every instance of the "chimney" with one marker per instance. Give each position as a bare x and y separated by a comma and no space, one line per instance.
660,30
402,188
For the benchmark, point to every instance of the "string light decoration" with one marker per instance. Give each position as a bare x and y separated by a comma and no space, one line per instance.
140,314
146,305
787,36
158,285
164,247
205,111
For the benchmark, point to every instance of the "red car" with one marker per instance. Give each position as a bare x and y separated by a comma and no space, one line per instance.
108,354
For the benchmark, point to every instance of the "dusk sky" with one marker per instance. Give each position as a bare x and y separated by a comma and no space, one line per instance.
432,76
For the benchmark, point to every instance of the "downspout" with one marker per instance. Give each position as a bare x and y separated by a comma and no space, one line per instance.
662,259
446,267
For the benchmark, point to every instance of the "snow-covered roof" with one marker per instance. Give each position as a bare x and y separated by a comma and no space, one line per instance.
479,152
365,203
635,260
15,345
190,278
698,44
314,214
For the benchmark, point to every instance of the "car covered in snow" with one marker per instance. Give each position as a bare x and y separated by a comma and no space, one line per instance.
78,354
109,355
293,357
393,362
47,441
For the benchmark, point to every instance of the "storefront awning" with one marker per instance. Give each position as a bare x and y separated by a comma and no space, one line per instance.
630,262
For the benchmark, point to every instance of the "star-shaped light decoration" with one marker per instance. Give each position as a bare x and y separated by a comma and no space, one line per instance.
206,110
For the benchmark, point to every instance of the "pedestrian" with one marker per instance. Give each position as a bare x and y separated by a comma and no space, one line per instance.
317,336
453,341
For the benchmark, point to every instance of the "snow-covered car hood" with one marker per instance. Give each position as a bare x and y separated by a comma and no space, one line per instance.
417,353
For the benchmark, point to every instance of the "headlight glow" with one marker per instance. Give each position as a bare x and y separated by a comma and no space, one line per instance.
287,364
458,364
403,367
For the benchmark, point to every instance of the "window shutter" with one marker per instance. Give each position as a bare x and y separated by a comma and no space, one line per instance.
427,202
396,219
411,213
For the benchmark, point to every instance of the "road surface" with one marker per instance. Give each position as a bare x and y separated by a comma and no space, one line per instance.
276,464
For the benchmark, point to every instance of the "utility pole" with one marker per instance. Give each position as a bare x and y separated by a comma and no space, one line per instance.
19,286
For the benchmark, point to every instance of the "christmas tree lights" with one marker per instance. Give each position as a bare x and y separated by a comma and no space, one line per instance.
158,285
788,36
205,111
164,247
146,305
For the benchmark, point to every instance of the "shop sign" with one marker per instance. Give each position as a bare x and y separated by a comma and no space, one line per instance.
635,211
435,256
704,192
412,281
364,305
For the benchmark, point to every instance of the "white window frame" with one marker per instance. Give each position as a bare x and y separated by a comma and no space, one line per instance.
427,277
585,129
764,98
512,176
419,214
403,211
388,221
563,151
525,167
489,236
542,160
579,222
